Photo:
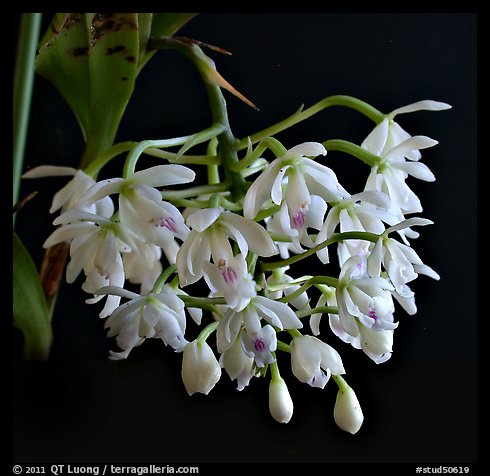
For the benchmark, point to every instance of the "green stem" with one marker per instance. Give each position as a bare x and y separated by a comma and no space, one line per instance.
294,333
195,191
335,238
217,103
103,159
161,280
267,212
352,149
207,331
267,143
316,310
283,346
174,158
275,374
226,141
212,168
334,282
341,383
301,115
23,84
134,155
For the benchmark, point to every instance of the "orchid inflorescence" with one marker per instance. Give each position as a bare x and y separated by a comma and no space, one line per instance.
243,233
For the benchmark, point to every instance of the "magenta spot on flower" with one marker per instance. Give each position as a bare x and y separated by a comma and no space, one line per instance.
372,315
299,219
259,345
229,275
168,223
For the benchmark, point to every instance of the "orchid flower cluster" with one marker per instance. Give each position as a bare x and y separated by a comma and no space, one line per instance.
143,240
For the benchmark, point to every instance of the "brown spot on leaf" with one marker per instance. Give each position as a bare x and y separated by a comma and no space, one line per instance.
78,51
124,78
114,49
131,59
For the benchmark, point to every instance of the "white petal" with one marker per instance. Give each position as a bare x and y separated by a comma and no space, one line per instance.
116,291
417,170
311,149
316,213
68,232
220,246
414,143
258,239
379,199
297,194
427,270
408,303
49,171
376,140
102,189
73,216
228,330
276,191
203,219
62,197
375,258
260,190
330,358
237,236
425,105
162,175
377,342
415,221
286,315
400,192
105,207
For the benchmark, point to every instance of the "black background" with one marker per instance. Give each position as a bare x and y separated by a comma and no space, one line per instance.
421,405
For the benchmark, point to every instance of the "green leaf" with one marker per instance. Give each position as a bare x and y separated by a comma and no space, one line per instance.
163,24
93,60
30,308
62,58
112,62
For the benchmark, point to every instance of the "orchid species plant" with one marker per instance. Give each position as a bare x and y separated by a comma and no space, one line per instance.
142,240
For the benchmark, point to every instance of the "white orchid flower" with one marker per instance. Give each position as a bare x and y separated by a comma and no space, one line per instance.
231,280
95,247
363,299
401,262
154,315
200,369
365,211
287,287
376,344
297,230
211,230
259,342
68,197
395,146
142,264
237,364
305,177
141,207
313,361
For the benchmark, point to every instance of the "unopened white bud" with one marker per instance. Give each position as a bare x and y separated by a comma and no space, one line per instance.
347,412
280,402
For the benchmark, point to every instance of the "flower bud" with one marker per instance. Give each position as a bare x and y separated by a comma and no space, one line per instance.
347,412
200,369
280,402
